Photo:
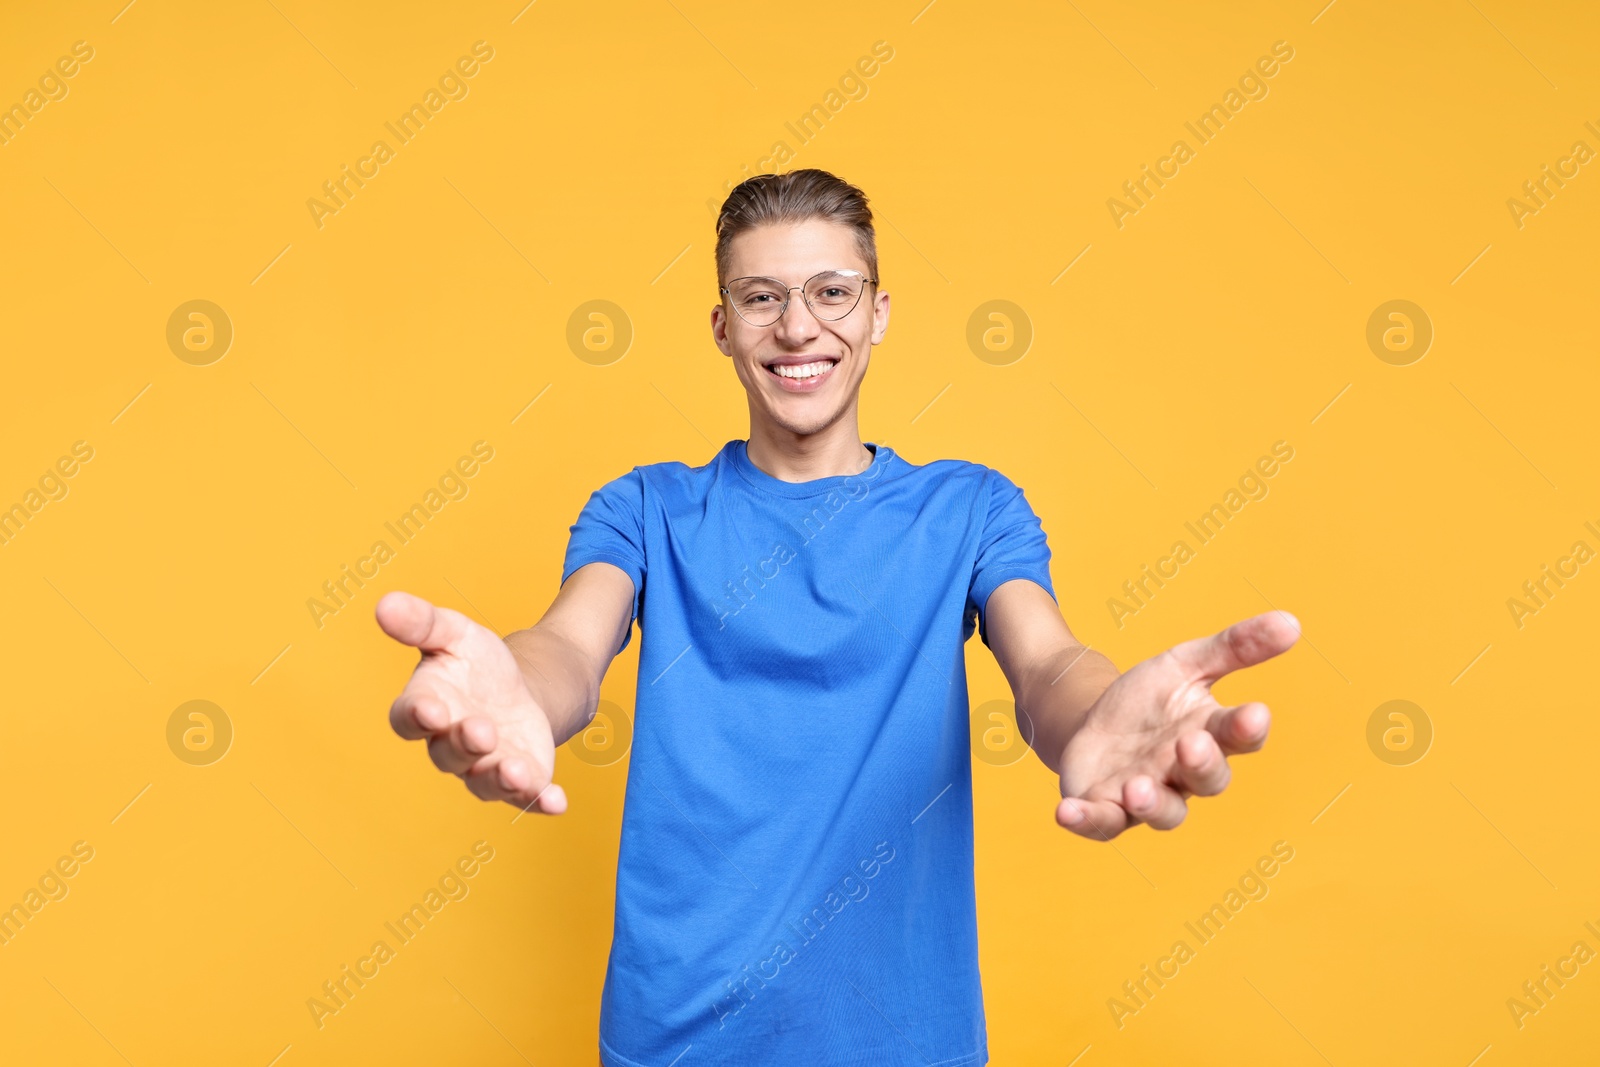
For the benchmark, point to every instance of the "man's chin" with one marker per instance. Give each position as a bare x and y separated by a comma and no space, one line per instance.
804,423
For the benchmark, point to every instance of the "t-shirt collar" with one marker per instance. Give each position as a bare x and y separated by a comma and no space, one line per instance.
735,452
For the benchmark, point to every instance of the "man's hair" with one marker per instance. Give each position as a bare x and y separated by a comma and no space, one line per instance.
797,196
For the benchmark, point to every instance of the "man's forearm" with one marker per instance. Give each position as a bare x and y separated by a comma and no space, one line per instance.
564,686
1058,695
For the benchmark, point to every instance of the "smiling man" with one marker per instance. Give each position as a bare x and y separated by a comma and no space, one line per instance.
795,879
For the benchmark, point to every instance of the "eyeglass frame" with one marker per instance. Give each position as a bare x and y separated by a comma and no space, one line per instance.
787,299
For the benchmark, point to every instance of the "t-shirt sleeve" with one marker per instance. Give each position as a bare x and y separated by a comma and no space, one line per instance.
610,529
1011,545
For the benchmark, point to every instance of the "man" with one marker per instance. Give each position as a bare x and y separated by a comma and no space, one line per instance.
795,879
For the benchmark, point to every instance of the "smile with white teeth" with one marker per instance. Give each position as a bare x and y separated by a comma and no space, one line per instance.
803,370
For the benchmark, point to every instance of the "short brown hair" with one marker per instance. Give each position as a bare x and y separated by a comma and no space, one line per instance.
797,196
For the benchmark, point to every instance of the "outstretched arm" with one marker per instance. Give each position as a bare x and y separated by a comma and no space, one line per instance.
1129,747
564,656
1054,677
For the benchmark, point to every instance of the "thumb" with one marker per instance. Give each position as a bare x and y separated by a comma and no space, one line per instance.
1244,644
413,621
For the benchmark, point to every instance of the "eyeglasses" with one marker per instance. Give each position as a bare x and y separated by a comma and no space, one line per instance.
831,296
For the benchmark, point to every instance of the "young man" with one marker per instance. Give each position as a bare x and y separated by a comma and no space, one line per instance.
795,880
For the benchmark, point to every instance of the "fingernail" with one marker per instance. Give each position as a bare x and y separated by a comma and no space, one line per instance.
1071,814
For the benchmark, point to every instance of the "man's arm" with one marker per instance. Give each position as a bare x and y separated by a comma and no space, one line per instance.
1129,747
564,656
491,710
1055,679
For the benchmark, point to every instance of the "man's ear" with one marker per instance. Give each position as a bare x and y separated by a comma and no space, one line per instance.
719,335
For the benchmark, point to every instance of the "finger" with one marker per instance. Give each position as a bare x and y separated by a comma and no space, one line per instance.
1242,728
1098,820
552,800
413,621
488,780
1244,644
420,711
1202,769
1149,801
513,779
462,747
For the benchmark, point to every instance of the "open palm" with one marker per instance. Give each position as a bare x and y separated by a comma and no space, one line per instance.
468,699
1157,736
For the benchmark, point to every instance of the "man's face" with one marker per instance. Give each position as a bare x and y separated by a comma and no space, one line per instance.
792,254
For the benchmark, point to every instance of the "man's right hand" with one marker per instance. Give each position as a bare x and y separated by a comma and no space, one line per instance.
468,699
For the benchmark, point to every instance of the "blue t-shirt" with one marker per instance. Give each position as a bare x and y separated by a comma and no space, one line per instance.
795,875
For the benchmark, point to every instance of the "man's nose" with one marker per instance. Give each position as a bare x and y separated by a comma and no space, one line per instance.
798,322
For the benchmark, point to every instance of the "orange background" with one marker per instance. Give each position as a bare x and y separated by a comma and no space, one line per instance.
368,354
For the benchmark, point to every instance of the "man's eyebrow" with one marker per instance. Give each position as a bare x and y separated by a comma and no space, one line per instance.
808,277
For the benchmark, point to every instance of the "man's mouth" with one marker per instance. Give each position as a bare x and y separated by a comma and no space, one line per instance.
796,375
802,371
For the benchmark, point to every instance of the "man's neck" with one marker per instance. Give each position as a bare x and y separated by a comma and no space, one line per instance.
793,457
